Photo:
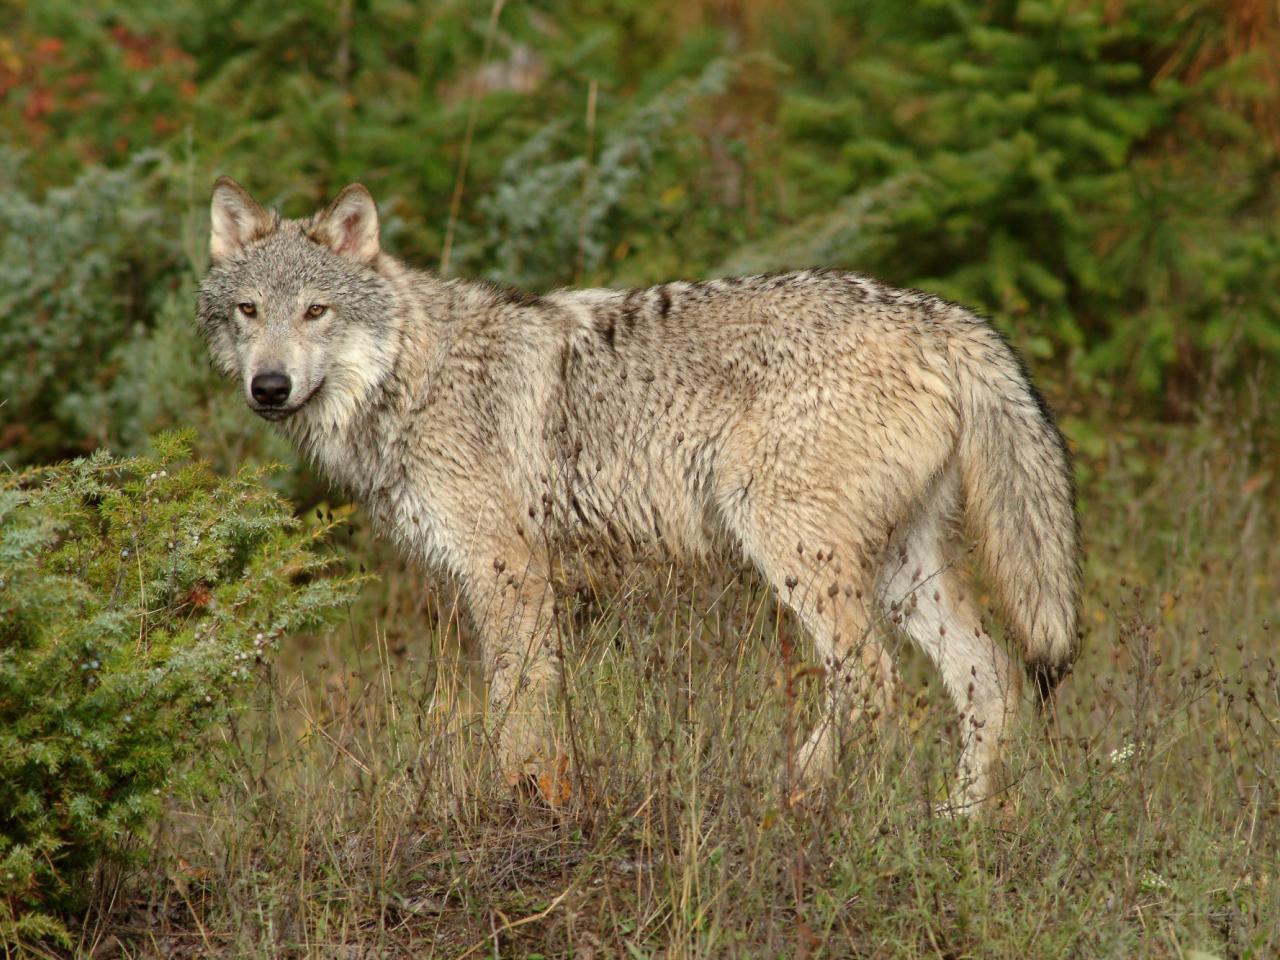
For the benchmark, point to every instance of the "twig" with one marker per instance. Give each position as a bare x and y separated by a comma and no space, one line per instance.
512,924
803,934
455,203
587,180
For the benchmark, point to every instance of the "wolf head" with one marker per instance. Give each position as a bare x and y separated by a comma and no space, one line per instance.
297,309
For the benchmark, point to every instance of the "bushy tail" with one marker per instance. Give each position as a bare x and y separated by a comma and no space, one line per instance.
1020,503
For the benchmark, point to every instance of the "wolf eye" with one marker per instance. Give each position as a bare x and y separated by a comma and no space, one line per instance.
316,310
248,309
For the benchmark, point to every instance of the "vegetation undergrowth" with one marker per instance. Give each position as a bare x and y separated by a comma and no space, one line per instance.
359,809
139,598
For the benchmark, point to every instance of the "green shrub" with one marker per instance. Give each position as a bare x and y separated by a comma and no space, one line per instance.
544,215
81,269
137,597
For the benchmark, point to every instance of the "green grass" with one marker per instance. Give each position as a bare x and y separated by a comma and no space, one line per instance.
361,814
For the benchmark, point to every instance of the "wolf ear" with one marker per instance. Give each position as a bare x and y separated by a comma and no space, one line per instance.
349,225
236,220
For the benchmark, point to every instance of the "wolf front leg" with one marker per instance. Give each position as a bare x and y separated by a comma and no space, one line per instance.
512,604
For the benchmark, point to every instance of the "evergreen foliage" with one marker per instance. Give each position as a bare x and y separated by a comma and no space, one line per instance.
545,213
82,269
137,597
1060,167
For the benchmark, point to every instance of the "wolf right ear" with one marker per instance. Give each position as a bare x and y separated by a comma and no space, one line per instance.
349,225
236,220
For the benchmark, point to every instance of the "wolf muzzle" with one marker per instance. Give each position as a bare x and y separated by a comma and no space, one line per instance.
270,392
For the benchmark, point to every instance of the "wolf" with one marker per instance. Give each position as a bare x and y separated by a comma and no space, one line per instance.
852,441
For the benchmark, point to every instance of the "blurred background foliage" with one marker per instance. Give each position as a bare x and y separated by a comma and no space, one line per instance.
1095,174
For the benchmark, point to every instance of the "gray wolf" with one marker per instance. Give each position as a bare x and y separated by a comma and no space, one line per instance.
852,441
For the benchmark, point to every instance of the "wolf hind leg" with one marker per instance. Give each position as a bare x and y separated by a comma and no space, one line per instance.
921,589
806,555
860,684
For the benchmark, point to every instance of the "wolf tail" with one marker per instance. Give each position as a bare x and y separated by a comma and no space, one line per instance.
1019,497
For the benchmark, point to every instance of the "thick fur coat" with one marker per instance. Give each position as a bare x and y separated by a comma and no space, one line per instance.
849,439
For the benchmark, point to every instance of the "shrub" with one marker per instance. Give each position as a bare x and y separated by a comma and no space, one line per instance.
545,214
137,597
80,270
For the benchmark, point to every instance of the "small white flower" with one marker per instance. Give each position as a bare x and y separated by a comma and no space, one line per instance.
1151,881
1122,755
124,554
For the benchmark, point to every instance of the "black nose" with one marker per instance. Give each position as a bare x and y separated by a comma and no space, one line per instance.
271,389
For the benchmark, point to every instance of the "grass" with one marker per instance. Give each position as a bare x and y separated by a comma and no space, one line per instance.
360,814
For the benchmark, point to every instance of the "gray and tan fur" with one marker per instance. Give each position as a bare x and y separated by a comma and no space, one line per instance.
842,436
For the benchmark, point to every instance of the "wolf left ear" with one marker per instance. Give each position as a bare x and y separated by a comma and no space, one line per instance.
349,225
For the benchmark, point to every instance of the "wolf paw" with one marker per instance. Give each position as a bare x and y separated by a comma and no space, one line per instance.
544,780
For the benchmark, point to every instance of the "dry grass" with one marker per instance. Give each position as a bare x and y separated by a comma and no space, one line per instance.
360,814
